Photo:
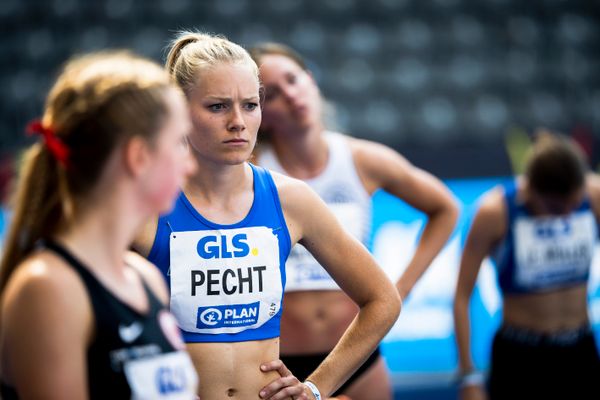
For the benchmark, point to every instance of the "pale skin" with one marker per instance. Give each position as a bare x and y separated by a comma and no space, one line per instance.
545,312
313,321
44,290
226,117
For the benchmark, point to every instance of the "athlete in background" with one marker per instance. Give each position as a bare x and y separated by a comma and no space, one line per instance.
541,230
82,317
344,172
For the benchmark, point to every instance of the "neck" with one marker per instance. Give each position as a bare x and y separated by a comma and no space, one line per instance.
214,182
303,156
104,231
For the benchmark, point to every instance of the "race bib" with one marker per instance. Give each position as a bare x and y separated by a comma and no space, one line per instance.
303,271
167,376
225,281
550,251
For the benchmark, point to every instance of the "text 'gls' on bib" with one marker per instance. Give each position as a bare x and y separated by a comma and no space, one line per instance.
225,281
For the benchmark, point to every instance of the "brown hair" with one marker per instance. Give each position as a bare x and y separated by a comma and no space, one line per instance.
258,52
99,101
556,166
190,52
271,48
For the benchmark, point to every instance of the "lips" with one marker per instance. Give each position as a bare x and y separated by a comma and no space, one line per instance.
300,110
236,141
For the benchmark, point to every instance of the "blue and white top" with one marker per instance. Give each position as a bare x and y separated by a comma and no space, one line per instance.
547,252
226,281
341,188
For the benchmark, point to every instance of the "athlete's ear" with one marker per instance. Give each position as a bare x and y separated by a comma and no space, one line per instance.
136,155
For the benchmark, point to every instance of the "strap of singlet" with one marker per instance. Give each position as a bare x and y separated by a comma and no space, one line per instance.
86,275
91,282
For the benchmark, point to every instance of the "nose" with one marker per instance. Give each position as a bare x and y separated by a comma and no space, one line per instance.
236,121
289,93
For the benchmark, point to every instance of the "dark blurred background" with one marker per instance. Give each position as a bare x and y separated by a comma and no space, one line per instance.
452,84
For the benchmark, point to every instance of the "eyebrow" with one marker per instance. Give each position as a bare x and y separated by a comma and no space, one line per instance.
228,99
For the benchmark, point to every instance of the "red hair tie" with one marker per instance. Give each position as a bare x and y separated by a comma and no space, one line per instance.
54,144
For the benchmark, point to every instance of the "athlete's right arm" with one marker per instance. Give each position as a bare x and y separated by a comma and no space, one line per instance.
144,240
47,323
488,227
310,221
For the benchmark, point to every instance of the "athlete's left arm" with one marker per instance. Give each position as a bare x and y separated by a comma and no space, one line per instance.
593,191
310,222
380,167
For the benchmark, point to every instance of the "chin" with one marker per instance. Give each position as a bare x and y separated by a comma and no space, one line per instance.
167,207
236,160
165,201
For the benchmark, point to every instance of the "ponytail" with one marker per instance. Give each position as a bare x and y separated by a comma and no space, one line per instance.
38,209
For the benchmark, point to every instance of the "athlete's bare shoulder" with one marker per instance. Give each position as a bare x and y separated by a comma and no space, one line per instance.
45,269
289,188
145,237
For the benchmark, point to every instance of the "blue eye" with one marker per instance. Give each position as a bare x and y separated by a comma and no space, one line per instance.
251,106
216,107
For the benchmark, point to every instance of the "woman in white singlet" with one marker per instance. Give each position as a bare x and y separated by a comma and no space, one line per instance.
344,172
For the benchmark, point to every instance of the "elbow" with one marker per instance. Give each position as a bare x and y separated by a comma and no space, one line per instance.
446,215
398,306
382,309
393,307
454,211
451,210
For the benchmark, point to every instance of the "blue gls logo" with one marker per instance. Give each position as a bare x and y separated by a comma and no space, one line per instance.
213,246
227,316
170,380
558,228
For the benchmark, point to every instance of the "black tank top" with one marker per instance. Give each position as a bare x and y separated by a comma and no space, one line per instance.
131,353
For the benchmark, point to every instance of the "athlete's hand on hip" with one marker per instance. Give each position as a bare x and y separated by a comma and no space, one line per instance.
286,387
472,392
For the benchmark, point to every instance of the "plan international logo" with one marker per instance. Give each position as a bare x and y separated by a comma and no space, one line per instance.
227,316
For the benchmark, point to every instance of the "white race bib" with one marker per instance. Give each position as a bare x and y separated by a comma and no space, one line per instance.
225,281
166,376
552,250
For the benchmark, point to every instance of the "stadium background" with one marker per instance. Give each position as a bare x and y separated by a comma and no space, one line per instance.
457,86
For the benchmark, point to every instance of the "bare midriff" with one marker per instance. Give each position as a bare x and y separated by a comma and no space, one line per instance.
232,370
551,312
313,321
